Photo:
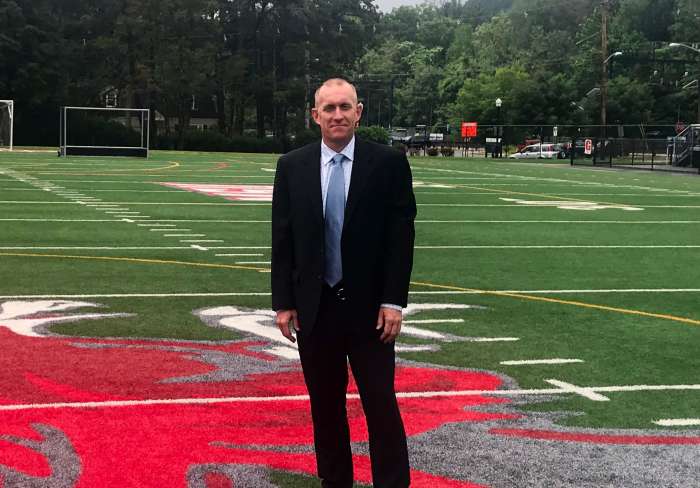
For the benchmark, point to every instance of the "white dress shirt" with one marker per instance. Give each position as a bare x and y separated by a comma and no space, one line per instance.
327,154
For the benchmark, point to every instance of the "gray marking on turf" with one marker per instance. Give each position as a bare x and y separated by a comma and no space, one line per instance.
469,451
240,475
58,452
227,366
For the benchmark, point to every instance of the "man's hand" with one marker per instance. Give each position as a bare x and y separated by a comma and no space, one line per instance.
390,320
287,322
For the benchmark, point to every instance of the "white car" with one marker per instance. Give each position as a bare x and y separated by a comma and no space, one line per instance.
544,151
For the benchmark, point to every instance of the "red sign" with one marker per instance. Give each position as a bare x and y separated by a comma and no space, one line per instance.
588,147
469,129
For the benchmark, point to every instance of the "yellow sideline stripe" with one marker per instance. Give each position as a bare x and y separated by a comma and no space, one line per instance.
563,302
135,260
107,172
417,283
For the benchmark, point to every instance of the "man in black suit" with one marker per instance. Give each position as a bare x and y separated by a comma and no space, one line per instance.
343,214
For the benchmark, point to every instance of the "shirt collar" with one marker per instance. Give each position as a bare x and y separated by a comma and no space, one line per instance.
327,153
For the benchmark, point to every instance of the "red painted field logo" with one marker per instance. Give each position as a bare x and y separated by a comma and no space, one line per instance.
80,412
242,193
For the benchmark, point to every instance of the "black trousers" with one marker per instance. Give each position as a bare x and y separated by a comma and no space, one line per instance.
324,359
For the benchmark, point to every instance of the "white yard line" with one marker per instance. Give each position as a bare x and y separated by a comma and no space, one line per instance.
525,206
266,204
529,362
59,220
253,262
434,321
558,292
201,240
305,398
644,222
455,192
183,235
494,339
239,255
250,221
582,391
669,246
677,422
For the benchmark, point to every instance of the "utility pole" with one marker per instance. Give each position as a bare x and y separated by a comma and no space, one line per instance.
605,7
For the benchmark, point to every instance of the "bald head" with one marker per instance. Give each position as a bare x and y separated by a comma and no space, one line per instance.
337,112
334,83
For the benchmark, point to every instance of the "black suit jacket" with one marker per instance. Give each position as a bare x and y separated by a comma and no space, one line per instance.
377,240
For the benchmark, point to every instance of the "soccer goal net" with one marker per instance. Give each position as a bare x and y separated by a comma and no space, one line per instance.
7,119
93,131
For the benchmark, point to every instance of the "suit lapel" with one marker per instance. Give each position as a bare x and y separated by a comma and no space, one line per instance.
311,176
361,168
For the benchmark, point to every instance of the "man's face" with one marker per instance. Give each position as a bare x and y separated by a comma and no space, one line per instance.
337,112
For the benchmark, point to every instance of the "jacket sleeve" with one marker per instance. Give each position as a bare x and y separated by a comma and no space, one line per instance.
399,235
282,242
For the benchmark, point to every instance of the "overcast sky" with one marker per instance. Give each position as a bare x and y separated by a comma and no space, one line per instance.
387,5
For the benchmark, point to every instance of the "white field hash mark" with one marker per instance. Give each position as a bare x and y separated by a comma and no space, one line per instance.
527,362
677,422
304,398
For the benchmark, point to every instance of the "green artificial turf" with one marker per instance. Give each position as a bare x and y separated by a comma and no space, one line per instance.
51,245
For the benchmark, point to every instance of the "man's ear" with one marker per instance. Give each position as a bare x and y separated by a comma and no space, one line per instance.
314,115
359,110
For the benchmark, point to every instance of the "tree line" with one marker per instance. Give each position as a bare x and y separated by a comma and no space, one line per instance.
257,62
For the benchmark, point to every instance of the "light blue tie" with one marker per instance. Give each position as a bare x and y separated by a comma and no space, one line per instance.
334,216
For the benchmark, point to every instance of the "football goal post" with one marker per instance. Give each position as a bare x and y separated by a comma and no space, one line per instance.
94,131
7,123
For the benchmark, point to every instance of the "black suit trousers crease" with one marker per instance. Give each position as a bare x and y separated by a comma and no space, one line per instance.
324,357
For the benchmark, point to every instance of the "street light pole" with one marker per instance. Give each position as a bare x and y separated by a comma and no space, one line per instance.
604,69
686,46
604,92
499,130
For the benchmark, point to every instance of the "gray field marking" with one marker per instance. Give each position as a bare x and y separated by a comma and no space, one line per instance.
591,393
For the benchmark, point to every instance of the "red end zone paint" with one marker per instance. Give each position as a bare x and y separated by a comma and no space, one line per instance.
153,446
243,193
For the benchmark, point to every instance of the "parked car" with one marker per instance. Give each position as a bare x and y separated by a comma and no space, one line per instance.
544,151
399,136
